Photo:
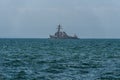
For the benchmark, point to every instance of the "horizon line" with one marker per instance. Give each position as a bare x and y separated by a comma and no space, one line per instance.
49,38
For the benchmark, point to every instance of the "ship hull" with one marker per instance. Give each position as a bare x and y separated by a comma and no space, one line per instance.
69,37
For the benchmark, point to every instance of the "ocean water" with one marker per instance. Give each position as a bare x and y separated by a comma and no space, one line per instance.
48,59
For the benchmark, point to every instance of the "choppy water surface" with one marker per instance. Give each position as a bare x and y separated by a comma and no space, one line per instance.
46,59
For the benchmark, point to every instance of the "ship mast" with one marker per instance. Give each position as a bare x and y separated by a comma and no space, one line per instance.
59,28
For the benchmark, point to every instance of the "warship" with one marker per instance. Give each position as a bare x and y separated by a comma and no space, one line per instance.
62,35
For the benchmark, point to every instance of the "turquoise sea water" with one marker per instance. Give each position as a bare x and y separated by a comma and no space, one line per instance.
48,59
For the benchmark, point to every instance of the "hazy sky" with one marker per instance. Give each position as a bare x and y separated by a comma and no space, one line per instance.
39,18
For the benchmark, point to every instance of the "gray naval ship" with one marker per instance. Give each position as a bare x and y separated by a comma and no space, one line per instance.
62,35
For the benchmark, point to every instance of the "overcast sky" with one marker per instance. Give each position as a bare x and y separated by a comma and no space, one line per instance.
39,18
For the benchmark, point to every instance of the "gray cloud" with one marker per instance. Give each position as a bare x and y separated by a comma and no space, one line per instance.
38,18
